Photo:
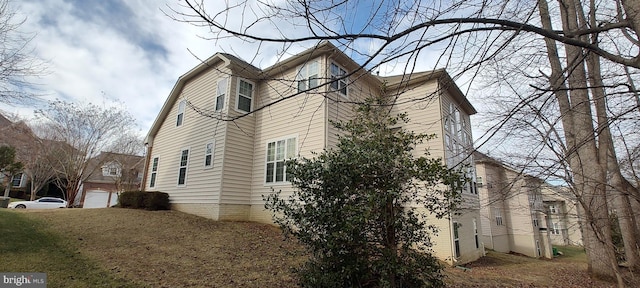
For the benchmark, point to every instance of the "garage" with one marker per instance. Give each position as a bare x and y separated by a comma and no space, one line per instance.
99,199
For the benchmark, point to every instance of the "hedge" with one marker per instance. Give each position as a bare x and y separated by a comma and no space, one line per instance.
144,200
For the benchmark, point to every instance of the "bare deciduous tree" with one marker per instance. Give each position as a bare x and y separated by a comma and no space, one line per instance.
465,36
81,132
17,61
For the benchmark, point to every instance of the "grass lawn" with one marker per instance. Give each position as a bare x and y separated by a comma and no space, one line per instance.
158,248
133,248
26,246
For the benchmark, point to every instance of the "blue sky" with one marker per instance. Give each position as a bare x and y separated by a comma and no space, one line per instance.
123,52
105,52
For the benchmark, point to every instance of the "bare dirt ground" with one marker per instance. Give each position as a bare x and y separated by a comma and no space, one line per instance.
173,249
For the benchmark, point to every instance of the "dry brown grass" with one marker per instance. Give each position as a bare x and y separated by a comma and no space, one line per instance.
506,270
173,249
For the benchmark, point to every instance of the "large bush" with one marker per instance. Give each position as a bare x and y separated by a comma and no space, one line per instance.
360,208
144,200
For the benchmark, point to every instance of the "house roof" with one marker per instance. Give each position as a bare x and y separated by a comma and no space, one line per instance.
4,121
443,78
322,48
175,91
127,162
19,136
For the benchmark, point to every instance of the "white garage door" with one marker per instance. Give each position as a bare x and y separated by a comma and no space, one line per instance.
99,199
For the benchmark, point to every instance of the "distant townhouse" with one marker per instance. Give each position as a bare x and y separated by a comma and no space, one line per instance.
221,169
521,213
109,174
19,136
563,218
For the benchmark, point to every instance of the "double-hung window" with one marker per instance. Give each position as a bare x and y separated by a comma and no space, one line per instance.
555,230
456,239
182,170
338,79
154,172
16,181
475,233
221,91
245,95
180,118
278,152
208,155
308,75
498,214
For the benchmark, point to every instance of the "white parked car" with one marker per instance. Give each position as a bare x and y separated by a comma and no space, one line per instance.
42,203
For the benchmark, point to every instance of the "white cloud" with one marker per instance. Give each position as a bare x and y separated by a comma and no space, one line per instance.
131,52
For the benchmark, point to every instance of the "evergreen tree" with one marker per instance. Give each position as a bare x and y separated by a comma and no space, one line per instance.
362,208
9,166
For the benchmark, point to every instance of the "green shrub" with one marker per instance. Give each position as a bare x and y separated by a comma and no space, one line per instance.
144,200
131,199
156,201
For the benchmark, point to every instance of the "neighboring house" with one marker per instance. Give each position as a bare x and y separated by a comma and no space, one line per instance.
514,217
110,174
221,169
562,215
22,138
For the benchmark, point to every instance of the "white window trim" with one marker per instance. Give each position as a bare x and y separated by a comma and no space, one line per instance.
213,153
266,155
304,75
183,108
345,80
253,95
225,94
497,213
154,183
106,169
475,233
186,171
456,239
21,179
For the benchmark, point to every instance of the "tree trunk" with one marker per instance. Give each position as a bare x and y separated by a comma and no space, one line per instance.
588,172
7,188
607,154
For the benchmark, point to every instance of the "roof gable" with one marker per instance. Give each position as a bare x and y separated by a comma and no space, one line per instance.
180,83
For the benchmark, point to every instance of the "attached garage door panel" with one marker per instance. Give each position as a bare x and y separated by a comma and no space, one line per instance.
99,199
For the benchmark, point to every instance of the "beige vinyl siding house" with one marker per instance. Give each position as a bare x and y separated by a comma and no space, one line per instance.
512,211
562,216
292,104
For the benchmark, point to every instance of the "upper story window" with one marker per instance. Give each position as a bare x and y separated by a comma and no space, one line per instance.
308,76
553,209
208,155
182,169
154,172
180,117
245,96
111,169
338,80
16,181
221,91
278,152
